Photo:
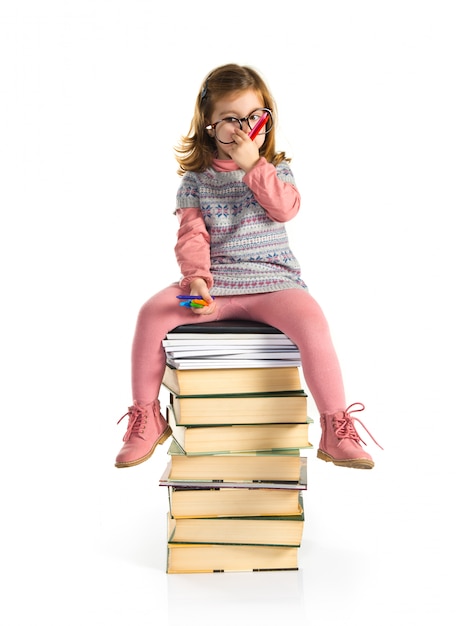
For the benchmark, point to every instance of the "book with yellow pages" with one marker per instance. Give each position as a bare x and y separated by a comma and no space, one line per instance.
190,382
249,408
224,482
258,465
273,531
238,437
208,558
233,502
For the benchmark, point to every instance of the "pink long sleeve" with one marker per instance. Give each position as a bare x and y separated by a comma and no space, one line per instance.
280,200
193,247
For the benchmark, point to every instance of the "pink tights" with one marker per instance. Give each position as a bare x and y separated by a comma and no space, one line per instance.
293,311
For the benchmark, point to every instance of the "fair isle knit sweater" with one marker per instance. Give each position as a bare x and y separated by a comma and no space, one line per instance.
231,228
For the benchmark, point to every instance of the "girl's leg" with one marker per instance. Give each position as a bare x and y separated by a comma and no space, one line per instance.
158,316
146,426
298,315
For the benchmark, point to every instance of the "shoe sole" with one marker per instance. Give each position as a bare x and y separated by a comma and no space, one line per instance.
167,433
355,463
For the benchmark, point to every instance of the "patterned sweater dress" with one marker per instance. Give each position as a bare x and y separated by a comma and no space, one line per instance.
232,230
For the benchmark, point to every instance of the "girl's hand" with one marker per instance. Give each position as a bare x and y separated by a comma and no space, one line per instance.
198,287
245,152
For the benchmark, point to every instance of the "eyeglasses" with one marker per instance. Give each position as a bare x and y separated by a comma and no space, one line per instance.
225,128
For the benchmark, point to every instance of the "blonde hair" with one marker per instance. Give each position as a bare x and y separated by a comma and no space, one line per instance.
195,151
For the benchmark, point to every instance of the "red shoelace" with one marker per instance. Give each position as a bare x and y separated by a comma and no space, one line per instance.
137,417
345,427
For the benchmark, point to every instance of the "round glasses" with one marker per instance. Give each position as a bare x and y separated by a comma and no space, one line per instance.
225,128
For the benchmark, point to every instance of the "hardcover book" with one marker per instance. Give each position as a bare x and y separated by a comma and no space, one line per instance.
208,558
268,466
300,483
278,407
233,502
233,380
272,531
238,438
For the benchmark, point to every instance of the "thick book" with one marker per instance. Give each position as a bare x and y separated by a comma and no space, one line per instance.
279,466
300,483
276,407
233,502
234,380
238,437
273,531
210,558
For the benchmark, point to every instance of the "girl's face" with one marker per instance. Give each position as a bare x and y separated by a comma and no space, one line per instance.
239,105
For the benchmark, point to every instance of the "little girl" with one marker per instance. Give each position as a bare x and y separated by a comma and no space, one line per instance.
235,195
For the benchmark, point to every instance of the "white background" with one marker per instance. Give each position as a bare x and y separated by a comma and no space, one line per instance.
94,94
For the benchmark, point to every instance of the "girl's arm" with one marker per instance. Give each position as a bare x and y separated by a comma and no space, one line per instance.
193,247
281,200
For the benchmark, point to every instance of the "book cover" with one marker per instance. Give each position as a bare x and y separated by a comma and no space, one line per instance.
231,380
239,437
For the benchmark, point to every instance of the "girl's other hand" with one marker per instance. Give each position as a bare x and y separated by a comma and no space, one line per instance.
198,287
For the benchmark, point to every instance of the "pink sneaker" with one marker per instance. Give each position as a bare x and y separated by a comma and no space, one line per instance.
146,429
340,442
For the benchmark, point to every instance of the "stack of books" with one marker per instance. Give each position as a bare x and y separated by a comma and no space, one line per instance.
222,345
236,475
